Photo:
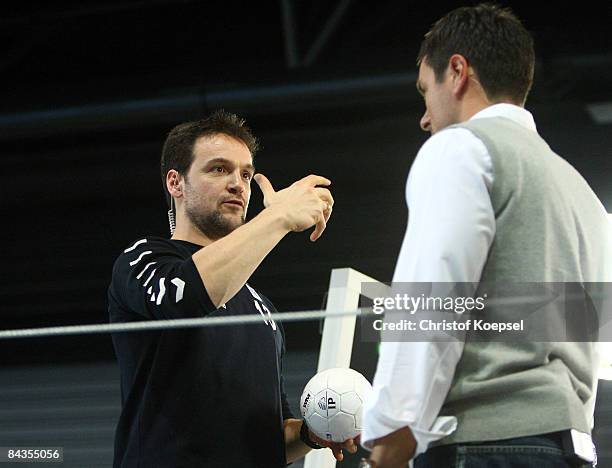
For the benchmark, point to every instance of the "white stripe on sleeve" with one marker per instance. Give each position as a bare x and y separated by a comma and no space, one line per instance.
149,278
145,269
129,249
162,290
146,252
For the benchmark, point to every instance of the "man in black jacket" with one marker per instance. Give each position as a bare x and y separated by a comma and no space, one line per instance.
210,397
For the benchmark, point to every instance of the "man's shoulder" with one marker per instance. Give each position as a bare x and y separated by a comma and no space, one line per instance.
449,148
448,138
150,243
149,247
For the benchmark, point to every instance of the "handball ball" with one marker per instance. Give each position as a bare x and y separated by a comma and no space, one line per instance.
332,403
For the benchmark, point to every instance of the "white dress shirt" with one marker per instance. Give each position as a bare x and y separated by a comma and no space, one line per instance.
450,230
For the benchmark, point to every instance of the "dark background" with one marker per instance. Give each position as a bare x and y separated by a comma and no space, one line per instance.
90,89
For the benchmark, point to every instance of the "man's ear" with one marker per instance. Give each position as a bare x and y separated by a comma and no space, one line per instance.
460,73
174,183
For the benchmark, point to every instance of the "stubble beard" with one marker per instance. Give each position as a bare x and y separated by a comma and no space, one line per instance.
212,223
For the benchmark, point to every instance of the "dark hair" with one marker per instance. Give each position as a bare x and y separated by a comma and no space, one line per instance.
492,40
177,152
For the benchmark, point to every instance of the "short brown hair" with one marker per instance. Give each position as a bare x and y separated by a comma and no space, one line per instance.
493,41
177,152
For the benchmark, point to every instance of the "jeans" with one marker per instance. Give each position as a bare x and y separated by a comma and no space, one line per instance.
542,451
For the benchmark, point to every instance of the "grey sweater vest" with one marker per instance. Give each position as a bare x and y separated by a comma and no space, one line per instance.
550,227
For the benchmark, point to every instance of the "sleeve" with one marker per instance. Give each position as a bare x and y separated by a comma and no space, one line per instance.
152,279
450,230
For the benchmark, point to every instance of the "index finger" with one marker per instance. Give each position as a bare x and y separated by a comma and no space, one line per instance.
314,180
319,228
325,195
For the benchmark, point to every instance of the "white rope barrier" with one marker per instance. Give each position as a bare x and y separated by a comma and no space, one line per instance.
171,324
307,315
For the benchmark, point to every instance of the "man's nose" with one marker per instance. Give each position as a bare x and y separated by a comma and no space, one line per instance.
426,122
235,183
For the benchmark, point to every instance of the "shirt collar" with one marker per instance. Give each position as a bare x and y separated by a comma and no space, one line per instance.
517,114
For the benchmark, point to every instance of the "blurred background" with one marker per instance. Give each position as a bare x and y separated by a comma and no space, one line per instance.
89,91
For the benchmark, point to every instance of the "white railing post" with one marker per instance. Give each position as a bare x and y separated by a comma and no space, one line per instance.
337,339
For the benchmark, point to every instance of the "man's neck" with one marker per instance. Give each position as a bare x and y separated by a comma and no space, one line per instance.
472,108
477,103
191,234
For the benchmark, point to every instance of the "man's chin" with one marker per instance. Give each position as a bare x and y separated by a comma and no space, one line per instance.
233,220
229,223
218,225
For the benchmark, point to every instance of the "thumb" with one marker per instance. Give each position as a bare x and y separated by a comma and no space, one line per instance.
264,184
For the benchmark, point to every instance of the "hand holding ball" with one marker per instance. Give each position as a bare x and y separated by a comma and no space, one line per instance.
332,403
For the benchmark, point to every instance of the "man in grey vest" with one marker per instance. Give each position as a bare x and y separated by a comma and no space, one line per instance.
489,202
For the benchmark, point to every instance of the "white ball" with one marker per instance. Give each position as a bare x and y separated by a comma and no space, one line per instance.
332,403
